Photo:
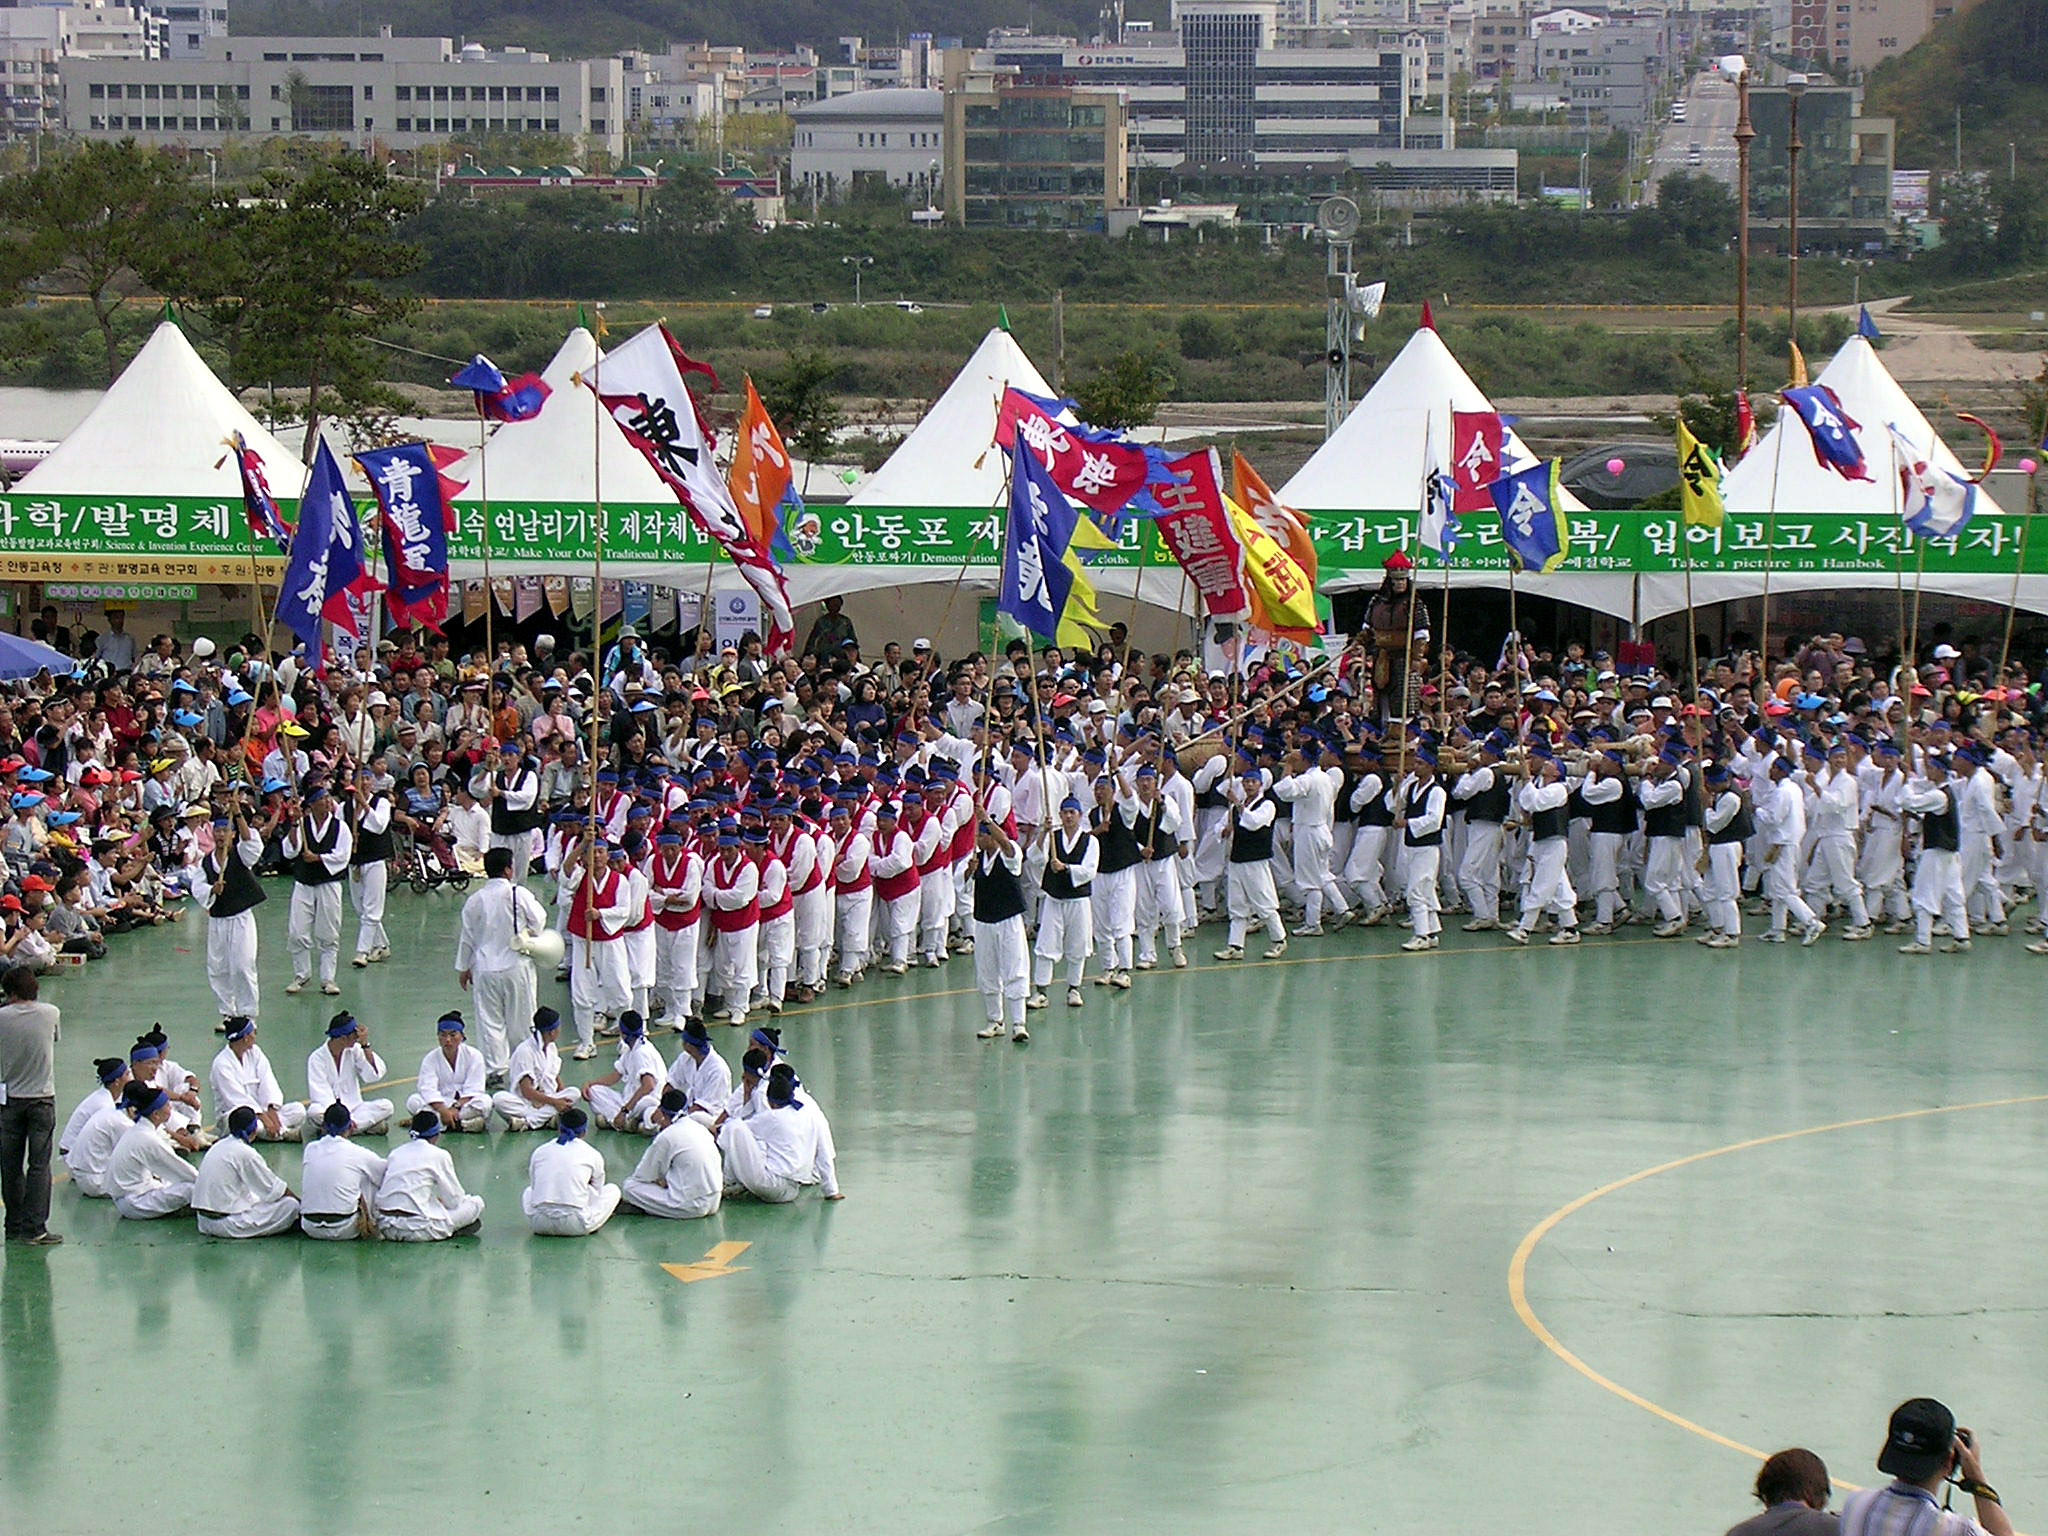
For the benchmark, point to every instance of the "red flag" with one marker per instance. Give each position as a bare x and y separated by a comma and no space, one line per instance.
1197,529
1478,458
1100,474
445,458
1745,424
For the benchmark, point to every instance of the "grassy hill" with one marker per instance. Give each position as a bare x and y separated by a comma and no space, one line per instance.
1992,61
583,28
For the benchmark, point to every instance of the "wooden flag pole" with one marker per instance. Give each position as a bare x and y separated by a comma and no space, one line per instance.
596,658
2012,604
1770,553
1898,549
483,490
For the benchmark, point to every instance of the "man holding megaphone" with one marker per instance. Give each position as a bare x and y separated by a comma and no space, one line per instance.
504,928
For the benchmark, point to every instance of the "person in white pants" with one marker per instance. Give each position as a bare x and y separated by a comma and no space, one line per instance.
338,1071
853,893
639,941
812,853
566,1192
499,919
237,1194
421,1200
700,1072
317,850
676,892
680,1176
145,1176
1661,793
535,1094
232,896
1001,967
893,863
1160,832
1983,836
1881,866
241,1076
1113,894
1365,867
369,869
338,1182
1248,893
1066,922
930,850
1831,869
1781,822
599,910
1424,805
1605,791
451,1079
732,898
1729,826
778,1152
1310,791
1938,889
625,1097
1544,801
1482,793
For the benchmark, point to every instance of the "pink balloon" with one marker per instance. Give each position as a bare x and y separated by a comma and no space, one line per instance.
2028,466
1615,467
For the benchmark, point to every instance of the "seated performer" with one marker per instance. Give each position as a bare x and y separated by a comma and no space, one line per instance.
421,1200
536,1093
241,1075
237,1193
626,1097
146,1176
773,1155
337,1072
566,1193
680,1175
339,1181
451,1080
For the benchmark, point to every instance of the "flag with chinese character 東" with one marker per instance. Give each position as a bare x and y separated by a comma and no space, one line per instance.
1934,502
1043,588
641,385
1831,428
415,526
1478,454
1699,480
1101,469
325,563
1532,517
760,478
258,505
499,398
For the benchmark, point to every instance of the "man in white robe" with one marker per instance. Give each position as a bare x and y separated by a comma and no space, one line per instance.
241,1075
536,1094
498,920
775,1154
338,1071
566,1192
338,1181
626,1097
421,1200
680,1175
145,1176
451,1079
237,1194
701,1073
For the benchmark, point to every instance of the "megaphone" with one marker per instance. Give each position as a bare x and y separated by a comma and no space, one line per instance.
543,948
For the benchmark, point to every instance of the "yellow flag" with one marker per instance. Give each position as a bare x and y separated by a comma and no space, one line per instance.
1798,367
1699,480
1277,584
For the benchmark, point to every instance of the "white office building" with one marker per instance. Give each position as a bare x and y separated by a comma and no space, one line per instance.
894,135
35,40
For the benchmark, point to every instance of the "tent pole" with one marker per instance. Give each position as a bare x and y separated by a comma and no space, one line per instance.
1770,553
483,488
1898,550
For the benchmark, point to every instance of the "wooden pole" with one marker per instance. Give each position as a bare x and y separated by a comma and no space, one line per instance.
1515,629
2012,604
1770,551
483,491
596,656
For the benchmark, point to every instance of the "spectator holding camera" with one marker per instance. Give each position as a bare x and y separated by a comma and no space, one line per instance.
1923,1448
1793,1489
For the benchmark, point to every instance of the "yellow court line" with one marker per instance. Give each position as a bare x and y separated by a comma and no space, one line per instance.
1518,1290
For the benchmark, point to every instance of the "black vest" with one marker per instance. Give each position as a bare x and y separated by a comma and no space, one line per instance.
505,822
1491,803
1695,796
1211,799
373,847
1940,829
239,889
1119,848
316,874
1343,812
1148,835
1060,884
1379,810
1740,829
1546,825
1250,845
1418,802
1617,816
1665,820
998,894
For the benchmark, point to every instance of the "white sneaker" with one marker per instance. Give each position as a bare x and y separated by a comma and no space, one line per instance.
1020,1036
1515,935
1565,936
362,958
1373,918
993,1032
330,989
1074,998
583,1053
1667,930
1344,920
1852,935
1121,980
1148,965
1956,947
1421,942
1916,948
1481,925
1309,931
1180,958
1276,949
1813,932
1228,952
1035,1001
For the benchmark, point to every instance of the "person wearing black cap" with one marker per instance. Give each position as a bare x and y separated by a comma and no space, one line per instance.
339,1180
1922,1449
680,1176
237,1194
242,1075
566,1193
420,1199
146,1177
317,850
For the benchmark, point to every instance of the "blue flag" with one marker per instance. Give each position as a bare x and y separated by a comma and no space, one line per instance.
415,522
497,397
1865,326
325,564
1532,517
1036,580
1832,429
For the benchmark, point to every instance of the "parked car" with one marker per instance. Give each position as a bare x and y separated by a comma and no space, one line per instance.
764,311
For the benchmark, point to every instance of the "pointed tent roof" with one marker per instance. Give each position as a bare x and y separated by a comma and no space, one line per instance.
944,461
1374,461
555,456
161,430
1872,397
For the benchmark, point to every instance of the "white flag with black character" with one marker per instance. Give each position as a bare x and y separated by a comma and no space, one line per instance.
641,386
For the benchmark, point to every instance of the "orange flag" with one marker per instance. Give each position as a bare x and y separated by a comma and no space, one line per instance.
760,470
1287,526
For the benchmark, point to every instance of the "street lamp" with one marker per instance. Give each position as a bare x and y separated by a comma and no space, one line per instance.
212,172
1735,64
856,262
1795,87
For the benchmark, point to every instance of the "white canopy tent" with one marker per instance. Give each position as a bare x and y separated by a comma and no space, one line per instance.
1378,457
162,429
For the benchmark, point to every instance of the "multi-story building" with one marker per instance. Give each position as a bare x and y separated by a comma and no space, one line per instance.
35,40
893,135
1608,70
1864,33
1845,163
397,91
183,26
1033,155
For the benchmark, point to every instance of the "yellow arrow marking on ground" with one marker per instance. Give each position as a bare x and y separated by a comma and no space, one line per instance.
719,1261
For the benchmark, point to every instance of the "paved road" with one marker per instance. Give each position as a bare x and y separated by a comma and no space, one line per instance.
1709,124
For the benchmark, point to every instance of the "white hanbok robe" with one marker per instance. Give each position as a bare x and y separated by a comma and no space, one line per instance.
237,1194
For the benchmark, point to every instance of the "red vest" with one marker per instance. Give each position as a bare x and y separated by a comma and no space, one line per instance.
895,887
942,847
861,880
816,877
580,912
787,901
670,878
963,840
733,919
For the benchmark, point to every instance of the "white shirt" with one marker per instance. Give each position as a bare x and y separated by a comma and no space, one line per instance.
636,1061
490,917
708,1084
536,1059
684,1159
239,1080
89,1153
1312,794
331,1082
419,1180
99,1100
566,1173
338,1176
145,1159
233,1178
796,1145
442,1081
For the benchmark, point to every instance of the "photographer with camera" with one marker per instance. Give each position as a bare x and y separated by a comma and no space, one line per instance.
1923,1448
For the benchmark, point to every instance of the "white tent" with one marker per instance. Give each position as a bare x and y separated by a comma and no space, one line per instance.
1377,458
162,430
1781,471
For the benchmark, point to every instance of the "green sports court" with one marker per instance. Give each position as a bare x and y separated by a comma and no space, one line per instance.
1349,1240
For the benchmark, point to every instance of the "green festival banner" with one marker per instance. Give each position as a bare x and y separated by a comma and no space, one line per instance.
180,538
